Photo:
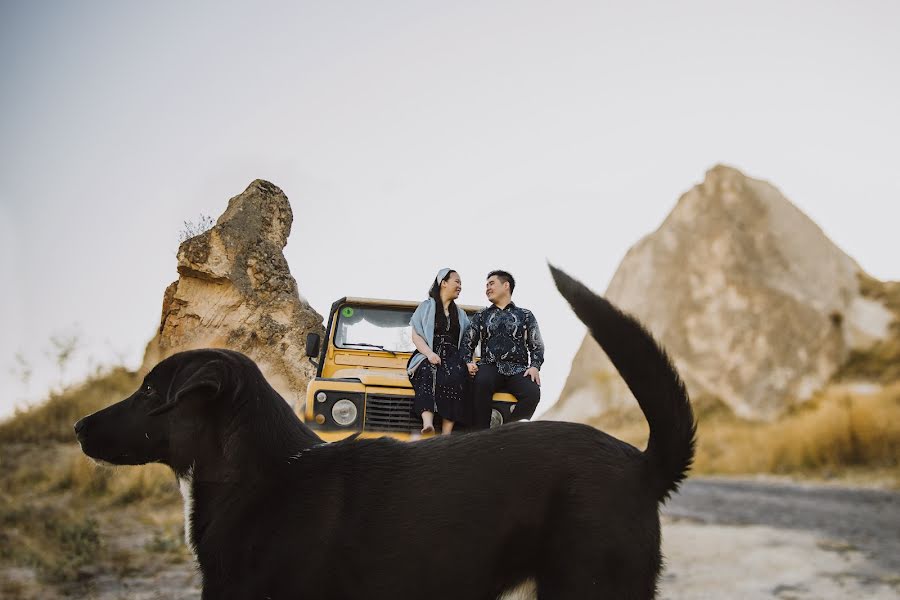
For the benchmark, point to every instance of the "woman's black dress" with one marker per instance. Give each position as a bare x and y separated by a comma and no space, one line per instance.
442,388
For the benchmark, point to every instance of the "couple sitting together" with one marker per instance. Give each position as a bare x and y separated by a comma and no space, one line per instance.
512,353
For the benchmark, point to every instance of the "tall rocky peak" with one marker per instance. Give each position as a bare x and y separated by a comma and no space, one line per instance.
235,291
758,308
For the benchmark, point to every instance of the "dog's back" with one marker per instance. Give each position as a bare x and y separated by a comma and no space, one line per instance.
478,513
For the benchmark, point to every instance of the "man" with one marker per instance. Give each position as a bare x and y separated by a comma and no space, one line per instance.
512,351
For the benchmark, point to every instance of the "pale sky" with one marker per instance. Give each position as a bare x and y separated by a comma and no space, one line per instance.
411,136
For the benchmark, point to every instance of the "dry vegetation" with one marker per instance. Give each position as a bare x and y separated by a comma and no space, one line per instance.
65,522
52,421
840,433
881,362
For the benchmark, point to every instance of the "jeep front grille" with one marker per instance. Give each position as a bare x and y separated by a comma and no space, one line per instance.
391,413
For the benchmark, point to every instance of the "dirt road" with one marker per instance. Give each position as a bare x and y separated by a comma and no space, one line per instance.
762,539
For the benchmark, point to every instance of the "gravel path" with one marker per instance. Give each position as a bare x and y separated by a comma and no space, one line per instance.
867,519
764,539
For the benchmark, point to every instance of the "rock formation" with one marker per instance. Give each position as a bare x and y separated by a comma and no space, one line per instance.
758,308
235,291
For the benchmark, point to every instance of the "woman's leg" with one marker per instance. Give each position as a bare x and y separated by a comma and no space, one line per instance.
447,426
427,421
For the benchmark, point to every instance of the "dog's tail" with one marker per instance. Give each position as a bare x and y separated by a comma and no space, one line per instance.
650,375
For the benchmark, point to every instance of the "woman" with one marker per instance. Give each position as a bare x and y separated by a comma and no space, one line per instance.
436,370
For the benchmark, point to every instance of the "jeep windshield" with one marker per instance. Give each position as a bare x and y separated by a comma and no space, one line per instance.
377,328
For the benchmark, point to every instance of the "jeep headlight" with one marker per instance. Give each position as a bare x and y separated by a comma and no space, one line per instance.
344,412
496,418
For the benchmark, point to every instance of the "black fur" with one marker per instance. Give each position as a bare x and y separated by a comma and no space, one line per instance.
277,514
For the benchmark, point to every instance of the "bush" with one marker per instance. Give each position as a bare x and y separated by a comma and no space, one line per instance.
194,228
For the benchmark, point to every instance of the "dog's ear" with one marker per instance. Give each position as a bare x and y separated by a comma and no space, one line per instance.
209,376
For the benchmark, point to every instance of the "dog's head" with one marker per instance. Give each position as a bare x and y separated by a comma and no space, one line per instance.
178,413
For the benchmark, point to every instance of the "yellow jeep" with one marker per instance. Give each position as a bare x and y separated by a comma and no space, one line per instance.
361,383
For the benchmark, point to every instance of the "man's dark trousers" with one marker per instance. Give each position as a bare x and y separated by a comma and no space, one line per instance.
488,380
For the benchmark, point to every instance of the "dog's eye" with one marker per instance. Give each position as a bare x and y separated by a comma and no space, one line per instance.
148,389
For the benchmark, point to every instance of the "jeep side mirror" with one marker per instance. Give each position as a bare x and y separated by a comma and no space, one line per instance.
312,345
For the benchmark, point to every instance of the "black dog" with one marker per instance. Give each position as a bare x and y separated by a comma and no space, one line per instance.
272,512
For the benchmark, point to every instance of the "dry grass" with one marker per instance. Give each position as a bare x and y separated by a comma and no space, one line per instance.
839,431
836,434
886,292
881,362
56,506
54,502
113,486
63,469
52,420
54,540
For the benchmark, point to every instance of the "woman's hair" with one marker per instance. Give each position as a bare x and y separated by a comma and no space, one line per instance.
435,294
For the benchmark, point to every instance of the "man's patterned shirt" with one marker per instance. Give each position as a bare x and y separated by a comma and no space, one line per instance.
508,337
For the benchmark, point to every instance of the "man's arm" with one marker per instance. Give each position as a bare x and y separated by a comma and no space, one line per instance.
534,342
471,338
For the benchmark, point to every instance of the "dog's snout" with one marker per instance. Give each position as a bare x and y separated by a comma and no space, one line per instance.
79,427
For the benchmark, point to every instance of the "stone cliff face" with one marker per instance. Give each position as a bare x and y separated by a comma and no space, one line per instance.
235,291
758,308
